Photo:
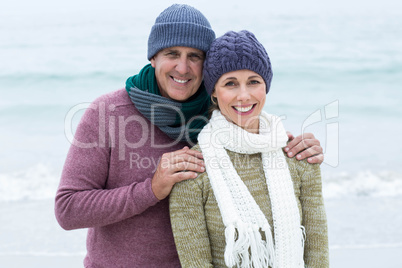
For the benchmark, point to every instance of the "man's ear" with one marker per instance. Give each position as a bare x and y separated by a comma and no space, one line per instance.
153,61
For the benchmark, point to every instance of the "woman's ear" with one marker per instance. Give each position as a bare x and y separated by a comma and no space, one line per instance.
214,100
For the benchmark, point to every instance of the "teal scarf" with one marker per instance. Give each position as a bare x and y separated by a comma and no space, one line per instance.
181,121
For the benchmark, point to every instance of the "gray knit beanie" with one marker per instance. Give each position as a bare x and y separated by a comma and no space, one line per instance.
180,25
236,51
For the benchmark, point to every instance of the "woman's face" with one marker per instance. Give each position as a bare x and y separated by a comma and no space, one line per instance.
241,96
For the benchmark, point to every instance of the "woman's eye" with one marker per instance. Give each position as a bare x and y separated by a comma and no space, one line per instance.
230,84
254,82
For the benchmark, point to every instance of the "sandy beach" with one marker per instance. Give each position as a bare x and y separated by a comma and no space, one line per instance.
35,240
340,258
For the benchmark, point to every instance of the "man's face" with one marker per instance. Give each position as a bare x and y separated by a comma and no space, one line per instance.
178,71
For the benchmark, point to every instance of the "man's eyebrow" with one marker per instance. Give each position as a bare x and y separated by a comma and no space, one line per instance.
171,50
196,53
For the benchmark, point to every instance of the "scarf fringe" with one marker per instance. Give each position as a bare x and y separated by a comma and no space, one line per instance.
303,239
245,246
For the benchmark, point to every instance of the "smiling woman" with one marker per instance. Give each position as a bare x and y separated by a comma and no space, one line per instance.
241,96
253,207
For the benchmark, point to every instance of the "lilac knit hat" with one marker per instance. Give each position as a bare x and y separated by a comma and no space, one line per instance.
236,51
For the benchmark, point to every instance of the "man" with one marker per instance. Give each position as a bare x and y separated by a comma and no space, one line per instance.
131,147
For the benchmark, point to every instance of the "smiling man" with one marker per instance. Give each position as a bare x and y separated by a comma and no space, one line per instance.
110,185
178,72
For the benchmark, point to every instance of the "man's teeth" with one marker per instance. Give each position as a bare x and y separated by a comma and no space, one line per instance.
180,81
243,109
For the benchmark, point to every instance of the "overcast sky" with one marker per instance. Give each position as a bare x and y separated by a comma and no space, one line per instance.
205,5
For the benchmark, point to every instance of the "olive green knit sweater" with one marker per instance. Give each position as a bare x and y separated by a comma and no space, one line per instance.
197,224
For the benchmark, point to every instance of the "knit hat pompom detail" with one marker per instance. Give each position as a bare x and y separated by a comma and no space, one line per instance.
236,51
180,25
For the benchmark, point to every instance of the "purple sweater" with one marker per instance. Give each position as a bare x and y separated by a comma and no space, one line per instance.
106,186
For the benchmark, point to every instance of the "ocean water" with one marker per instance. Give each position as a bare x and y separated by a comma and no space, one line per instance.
337,74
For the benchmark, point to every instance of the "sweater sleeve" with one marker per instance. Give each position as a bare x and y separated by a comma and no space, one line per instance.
189,224
82,201
316,253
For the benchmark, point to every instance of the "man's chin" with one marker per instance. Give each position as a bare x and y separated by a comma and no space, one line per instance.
180,95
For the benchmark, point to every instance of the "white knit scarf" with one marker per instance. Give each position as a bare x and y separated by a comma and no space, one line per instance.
245,223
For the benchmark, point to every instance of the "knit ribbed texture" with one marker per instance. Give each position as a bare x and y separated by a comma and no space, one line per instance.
180,25
181,121
236,51
197,222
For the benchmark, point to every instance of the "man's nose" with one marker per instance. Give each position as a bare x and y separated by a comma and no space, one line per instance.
182,65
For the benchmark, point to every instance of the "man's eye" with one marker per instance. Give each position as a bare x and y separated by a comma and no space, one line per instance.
195,57
173,54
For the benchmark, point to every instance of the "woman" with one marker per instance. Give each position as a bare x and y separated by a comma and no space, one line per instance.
253,207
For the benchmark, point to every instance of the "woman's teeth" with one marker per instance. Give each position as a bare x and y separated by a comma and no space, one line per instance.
243,109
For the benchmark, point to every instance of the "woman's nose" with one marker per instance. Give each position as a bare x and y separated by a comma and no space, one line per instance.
244,93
